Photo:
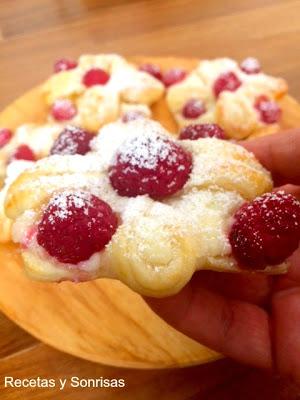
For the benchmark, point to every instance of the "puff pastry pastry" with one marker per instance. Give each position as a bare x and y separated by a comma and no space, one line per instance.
163,208
93,92
240,98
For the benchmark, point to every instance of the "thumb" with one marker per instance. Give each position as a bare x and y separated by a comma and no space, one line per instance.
280,154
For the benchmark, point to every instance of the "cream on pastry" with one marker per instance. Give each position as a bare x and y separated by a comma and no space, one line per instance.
240,98
14,169
150,210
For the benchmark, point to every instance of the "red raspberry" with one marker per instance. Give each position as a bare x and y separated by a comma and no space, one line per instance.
63,110
269,111
23,152
266,231
199,131
72,140
250,66
151,69
172,76
95,76
75,225
150,164
193,108
64,64
132,115
5,136
227,81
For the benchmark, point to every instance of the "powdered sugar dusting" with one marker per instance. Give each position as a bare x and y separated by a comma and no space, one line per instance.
146,151
75,225
149,163
250,65
68,146
193,108
72,140
225,165
269,111
266,231
122,133
204,206
65,201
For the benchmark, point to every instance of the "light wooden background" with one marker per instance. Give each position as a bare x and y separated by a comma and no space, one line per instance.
33,33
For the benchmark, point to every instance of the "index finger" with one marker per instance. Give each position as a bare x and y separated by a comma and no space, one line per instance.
280,154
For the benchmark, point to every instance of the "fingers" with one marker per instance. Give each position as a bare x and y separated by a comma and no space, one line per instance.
246,287
237,329
292,277
286,332
280,154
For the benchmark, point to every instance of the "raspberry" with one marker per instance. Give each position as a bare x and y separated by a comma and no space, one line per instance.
63,110
75,225
266,231
150,164
72,140
23,152
95,76
151,69
199,131
269,111
193,108
64,64
172,76
227,81
250,66
132,115
5,136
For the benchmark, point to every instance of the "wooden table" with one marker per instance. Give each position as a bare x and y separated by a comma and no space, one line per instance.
33,33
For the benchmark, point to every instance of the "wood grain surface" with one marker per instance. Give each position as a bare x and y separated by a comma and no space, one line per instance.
35,32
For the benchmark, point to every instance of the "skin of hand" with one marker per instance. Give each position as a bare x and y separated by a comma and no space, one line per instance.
252,318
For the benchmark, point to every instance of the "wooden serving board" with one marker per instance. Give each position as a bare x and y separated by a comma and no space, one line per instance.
103,320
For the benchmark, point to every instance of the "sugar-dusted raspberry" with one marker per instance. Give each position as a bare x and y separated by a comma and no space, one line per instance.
72,140
63,110
64,64
151,69
227,81
200,131
75,225
132,115
250,66
193,108
95,76
172,76
5,136
23,152
269,111
266,231
150,164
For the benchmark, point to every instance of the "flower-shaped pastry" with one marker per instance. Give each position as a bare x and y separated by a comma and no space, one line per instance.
91,93
240,98
149,210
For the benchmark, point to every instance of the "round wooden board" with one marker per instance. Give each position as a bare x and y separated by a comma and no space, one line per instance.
101,321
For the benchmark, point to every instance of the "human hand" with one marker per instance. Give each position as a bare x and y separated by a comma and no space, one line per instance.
254,319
